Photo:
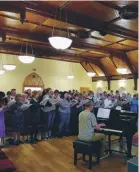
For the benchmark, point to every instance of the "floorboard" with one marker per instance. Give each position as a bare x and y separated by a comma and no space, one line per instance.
56,155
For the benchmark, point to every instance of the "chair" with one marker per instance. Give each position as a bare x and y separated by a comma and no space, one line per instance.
2,155
7,166
86,148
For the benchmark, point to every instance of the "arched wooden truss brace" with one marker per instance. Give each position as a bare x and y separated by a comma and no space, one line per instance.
91,67
33,80
104,65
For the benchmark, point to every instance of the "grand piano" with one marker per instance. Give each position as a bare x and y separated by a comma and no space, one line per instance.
118,123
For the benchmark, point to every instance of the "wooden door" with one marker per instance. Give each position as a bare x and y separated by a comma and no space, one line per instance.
84,89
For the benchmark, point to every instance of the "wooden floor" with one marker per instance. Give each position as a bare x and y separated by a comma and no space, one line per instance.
57,156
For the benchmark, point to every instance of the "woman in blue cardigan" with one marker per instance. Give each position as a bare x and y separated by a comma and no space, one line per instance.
64,112
134,104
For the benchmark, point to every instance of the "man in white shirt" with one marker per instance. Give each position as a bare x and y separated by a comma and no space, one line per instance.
87,124
108,102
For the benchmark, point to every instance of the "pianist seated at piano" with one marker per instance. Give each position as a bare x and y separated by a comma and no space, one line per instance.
87,126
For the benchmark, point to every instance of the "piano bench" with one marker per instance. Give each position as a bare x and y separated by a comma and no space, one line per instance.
87,148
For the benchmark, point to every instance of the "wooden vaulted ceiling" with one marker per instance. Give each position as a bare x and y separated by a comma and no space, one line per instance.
32,22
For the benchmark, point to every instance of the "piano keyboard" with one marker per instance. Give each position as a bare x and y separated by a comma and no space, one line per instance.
111,130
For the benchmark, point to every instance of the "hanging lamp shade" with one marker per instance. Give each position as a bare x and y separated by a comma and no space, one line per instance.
2,71
60,43
9,66
26,59
121,70
90,74
70,76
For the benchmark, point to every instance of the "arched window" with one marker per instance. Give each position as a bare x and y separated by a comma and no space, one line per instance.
34,82
122,90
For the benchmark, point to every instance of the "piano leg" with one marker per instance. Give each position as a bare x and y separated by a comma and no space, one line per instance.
129,145
109,143
129,137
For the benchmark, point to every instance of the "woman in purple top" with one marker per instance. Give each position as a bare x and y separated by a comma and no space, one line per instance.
2,122
2,125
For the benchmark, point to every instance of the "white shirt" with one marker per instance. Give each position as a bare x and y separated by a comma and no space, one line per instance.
107,103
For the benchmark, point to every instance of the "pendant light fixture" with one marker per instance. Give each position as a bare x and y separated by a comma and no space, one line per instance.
2,71
26,58
122,70
60,42
9,67
90,74
119,69
71,76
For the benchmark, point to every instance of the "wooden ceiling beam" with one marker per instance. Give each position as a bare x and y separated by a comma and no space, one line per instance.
38,24
99,64
114,6
58,56
125,59
130,66
134,49
65,4
115,42
109,5
84,67
77,43
73,18
93,69
56,28
111,58
114,54
113,77
84,21
40,52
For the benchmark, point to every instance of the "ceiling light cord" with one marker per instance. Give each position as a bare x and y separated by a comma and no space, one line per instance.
66,19
21,49
55,19
26,48
32,49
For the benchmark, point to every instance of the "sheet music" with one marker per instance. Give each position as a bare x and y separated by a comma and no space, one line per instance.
43,102
124,111
103,113
11,103
73,103
25,106
83,103
54,101
1,109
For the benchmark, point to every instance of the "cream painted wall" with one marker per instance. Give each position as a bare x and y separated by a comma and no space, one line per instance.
54,75
52,72
115,85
